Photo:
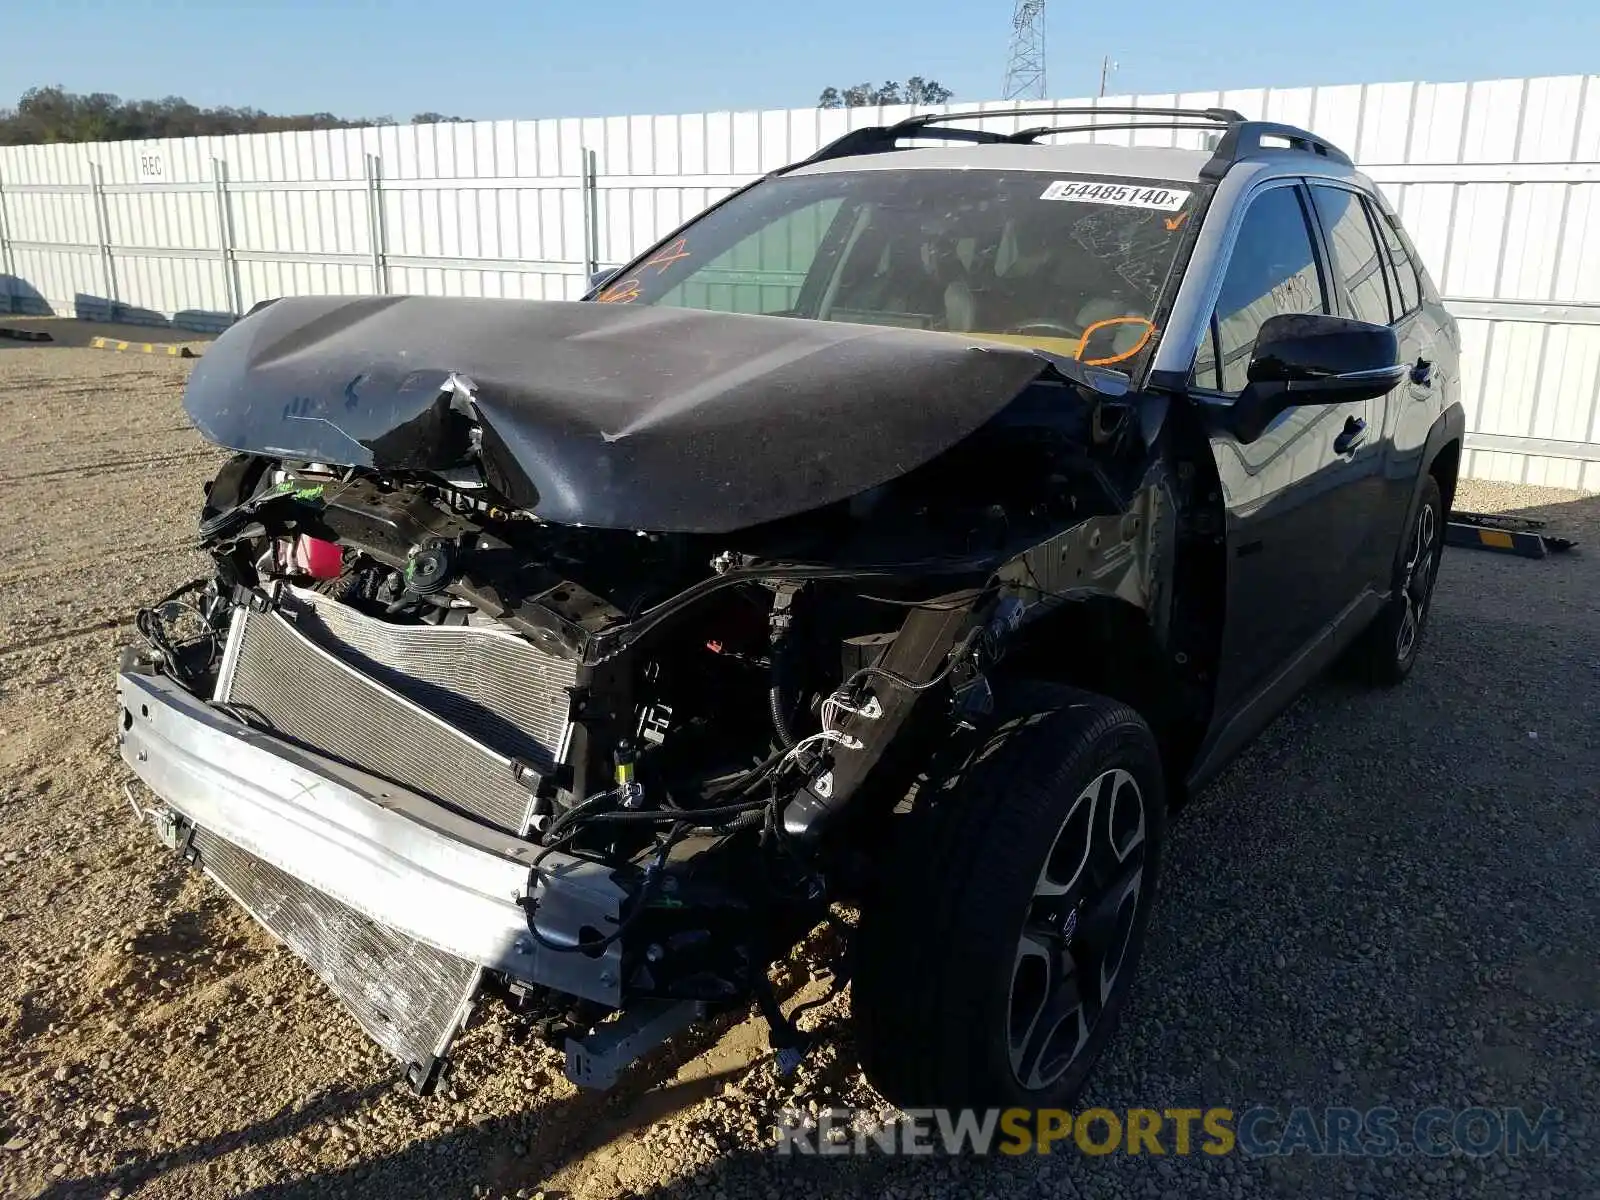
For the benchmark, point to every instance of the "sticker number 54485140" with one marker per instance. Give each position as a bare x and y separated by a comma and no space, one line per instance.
1128,195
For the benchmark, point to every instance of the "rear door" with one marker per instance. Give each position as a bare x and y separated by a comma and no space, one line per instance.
1295,519
1428,345
1366,287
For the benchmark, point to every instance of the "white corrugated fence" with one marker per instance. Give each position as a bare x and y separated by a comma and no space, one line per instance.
1498,183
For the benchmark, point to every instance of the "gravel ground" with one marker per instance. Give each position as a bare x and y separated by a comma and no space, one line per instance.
1389,899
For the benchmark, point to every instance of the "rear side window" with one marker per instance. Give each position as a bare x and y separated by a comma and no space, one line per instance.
1404,268
1356,259
1273,271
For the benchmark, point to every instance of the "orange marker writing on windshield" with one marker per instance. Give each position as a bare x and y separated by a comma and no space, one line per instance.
670,255
1144,340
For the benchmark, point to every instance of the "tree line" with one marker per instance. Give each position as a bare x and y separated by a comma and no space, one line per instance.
915,90
53,114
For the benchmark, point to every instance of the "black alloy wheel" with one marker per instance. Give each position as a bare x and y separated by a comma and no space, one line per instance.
996,956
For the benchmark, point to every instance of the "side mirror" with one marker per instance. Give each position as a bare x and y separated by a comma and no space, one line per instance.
1312,358
600,278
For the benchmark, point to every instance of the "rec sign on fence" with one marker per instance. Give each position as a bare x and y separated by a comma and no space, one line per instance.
152,165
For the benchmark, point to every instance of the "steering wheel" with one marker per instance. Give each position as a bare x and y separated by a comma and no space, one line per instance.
1046,329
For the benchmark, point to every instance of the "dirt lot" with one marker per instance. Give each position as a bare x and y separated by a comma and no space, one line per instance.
1391,899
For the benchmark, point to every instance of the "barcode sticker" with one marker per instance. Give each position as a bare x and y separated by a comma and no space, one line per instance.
1127,195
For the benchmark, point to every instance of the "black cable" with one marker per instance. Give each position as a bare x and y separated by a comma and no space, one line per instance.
778,706
744,813
780,1029
744,822
151,625
645,816
681,828
545,851
840,978
960,648
151,629
777,709
740,781
840,966
652,877
574,819
965,601
748,779
581,809
908,683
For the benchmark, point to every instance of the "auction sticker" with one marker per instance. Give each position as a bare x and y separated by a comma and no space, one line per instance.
1127,195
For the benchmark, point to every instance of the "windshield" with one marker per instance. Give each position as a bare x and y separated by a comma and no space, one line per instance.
1075,265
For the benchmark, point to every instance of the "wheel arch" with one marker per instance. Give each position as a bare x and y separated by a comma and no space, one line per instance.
1440,460
1442,456
1107,645
1445,466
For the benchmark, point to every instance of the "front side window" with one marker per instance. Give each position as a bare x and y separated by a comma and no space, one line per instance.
1356,259
1273,270
1077,266
1207,360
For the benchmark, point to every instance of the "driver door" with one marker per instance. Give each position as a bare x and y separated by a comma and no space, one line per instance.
1294,526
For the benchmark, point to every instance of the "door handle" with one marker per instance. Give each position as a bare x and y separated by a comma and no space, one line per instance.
1355,432
1422,373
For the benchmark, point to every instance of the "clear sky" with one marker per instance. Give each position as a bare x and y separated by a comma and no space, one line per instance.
539,58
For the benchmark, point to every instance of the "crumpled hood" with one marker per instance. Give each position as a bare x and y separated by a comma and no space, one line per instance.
602,415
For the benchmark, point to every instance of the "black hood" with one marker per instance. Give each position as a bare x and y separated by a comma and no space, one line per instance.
602,415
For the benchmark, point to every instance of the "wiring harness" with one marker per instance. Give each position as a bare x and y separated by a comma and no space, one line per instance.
157,625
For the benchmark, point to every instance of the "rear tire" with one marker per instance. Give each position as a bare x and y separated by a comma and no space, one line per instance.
995,959
1388,649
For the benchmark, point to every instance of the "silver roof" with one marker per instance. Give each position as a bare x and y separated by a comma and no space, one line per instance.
1085,158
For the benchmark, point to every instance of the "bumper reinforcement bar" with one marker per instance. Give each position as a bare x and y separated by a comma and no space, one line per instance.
397,902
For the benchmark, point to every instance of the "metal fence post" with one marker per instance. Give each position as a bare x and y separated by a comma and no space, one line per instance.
377,230
102,220
590,188
230,281
8,268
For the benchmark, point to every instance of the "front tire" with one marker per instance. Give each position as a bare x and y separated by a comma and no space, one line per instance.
996,957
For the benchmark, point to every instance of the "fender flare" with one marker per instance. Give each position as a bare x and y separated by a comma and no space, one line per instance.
1449,426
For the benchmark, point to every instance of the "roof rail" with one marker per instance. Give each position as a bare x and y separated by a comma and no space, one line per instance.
1237,137
1222,116
1039,131
1247,138
878,139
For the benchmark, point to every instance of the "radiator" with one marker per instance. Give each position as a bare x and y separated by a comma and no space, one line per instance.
485,681
467,716
409,997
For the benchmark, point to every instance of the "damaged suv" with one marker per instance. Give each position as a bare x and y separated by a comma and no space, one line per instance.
905,536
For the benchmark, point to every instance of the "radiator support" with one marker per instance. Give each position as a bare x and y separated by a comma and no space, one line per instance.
470,716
